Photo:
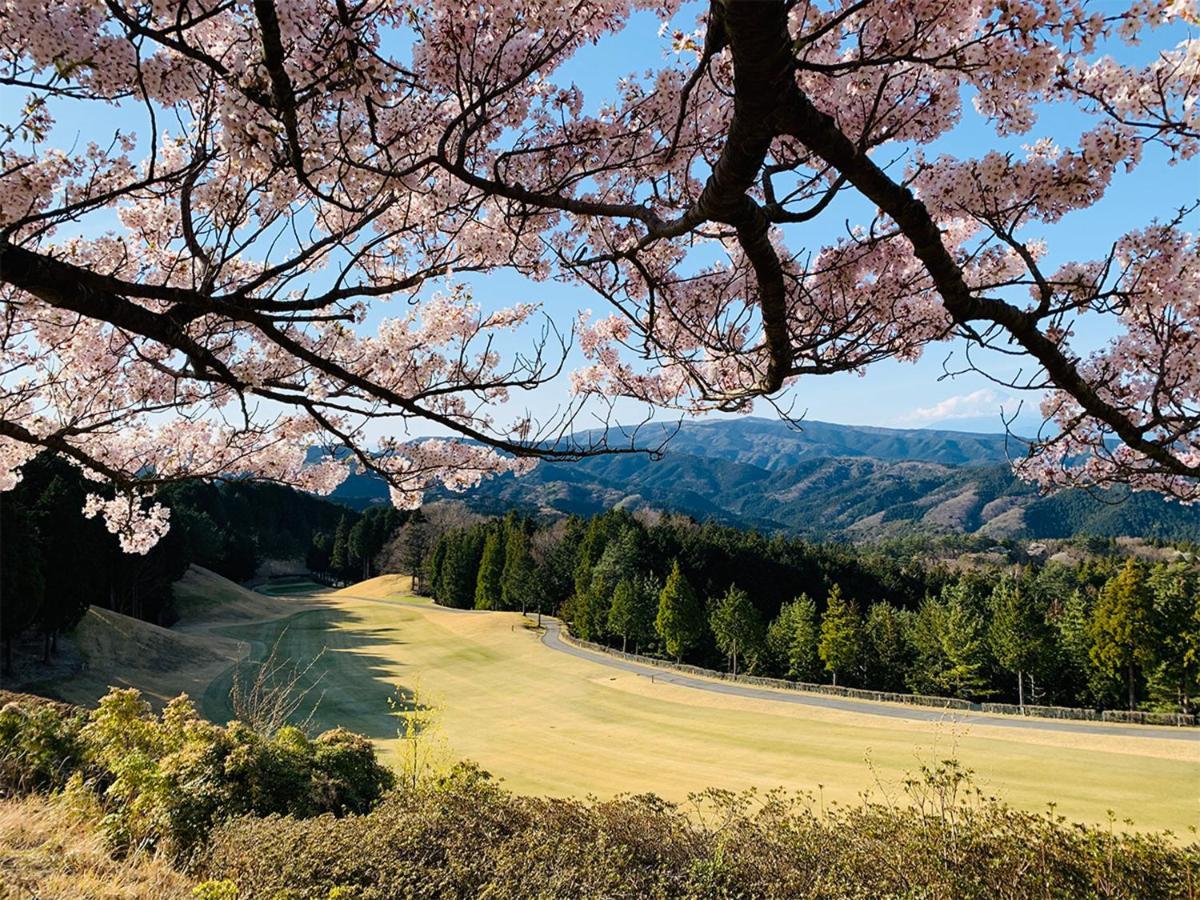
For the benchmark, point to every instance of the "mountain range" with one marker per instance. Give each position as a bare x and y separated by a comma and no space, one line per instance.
821,480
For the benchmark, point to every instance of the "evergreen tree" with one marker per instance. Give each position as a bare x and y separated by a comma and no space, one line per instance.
735,624
924,676
1016,631
964,644
432,580
1083,681
491,571
517,581
1122,627
680,619
622,614
889,653
339,556
792,640
1175,677
840,645
359,542
460,569
22,588
319,554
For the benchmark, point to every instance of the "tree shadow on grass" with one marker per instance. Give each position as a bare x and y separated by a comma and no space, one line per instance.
346,685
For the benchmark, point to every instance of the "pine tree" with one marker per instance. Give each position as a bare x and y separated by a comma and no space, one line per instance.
517,581
1122,626
1016,630
491,571
840,646
792,640
680,619
735,624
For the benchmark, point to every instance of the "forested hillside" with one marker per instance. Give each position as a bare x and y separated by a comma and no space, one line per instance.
822,481
56,563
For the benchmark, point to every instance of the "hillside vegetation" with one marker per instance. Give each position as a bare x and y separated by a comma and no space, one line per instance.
824,480
121,802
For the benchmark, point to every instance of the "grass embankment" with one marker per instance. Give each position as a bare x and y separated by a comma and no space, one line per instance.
549,723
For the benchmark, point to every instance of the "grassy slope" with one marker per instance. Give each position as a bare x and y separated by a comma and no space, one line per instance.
549,723
48,852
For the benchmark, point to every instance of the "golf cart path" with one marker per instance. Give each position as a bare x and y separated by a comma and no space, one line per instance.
552,638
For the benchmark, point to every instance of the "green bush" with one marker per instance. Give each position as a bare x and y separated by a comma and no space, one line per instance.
40,746
165,780
464,837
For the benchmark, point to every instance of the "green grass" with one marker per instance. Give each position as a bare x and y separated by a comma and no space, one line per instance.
548,723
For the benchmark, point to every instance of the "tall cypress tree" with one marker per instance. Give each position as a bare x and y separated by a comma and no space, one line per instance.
680,619
339,557
517,580
1122,626
736,625
840,646
491,570
1016,630
964,645
792,640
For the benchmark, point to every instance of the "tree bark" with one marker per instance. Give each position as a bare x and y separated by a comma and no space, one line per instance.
1132,695
1021,690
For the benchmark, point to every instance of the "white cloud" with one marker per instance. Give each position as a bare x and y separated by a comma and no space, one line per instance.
983,402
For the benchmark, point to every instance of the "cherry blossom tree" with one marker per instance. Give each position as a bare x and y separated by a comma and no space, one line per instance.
191,297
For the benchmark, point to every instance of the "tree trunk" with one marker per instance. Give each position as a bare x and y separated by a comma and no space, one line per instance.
1021,690
46,648
624,641
835,679
1132,698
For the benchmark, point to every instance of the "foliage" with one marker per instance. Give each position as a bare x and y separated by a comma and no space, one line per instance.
841,642
680,619
736,625
927,628
40,745
165,780
465,837
1122,630
791,640
491,571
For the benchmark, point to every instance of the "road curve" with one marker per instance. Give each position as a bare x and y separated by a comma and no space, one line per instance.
552,638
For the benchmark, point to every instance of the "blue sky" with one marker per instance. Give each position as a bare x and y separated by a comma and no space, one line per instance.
906,395
891,394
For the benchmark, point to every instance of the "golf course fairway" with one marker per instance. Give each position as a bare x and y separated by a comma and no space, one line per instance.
550,723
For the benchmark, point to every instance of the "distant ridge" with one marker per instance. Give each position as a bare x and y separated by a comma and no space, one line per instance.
822,480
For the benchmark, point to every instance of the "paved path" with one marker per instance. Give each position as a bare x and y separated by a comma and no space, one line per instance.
552,638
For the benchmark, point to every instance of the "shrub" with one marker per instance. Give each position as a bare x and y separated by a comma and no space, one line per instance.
465,837
163,781
39,746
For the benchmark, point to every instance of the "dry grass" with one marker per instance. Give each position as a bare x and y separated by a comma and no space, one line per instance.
205,598
121,651
47,851
381,587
